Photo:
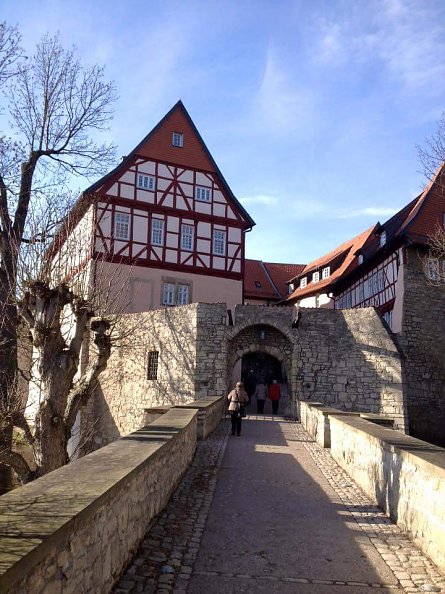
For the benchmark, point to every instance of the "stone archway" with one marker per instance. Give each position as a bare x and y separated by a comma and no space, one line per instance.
267,340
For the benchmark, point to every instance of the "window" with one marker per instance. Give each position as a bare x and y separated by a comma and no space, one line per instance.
219,242
382,238
258,284
326,272
290,288
152,365
157,232
177,139
433,269
360,259
182,295
303,283
146,182
315,277
202,194
187,237
122,226
175,293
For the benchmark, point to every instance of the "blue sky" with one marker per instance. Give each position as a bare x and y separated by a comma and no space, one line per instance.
312,109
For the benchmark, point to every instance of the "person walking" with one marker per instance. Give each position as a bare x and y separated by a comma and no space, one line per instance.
274,396
237,401
260,394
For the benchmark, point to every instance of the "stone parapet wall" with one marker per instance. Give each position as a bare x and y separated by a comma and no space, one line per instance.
403,475
75,529
315,418
210,412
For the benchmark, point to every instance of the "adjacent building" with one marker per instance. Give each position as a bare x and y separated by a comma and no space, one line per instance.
267,283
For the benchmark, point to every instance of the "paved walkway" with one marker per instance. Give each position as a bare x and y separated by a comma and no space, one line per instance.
271,512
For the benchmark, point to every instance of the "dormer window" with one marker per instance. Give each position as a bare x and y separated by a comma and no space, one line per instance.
326,272
290,288
258,284
303,283
360,259
316,277
178,139
382,238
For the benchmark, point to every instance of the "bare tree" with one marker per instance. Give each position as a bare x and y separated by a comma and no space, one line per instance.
432,154
56,108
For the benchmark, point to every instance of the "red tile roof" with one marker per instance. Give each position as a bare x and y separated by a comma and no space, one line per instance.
344,254
271,277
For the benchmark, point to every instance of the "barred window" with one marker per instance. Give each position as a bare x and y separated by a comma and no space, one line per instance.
152,365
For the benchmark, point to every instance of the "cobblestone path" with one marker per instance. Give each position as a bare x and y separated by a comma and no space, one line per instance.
200,544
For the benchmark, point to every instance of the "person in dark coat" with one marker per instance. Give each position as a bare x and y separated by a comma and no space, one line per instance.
260,395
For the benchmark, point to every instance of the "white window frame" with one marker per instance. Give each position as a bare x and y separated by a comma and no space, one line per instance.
157,232
146,182
219,242
168,294
178,139
326,272
316,277
175,293
122,226
182,294
290,288
187,237
360,259
382,239
303,282
433,269
203,194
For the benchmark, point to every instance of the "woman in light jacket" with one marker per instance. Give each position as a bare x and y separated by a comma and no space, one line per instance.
237,398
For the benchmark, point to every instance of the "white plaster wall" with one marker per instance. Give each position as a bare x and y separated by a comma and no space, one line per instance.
397,312
323,301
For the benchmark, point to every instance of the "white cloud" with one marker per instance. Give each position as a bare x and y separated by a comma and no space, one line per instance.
282,105
373,211
262,199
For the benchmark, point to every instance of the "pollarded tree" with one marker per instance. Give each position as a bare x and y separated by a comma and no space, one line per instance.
56,108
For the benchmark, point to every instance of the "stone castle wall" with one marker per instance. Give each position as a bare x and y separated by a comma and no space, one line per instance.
423,343
344,358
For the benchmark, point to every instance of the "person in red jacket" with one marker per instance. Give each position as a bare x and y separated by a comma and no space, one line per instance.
274,395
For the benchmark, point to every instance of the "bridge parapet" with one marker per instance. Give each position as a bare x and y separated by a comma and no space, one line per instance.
403,475
75,529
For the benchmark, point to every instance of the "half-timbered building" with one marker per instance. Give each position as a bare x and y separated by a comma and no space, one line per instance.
168,215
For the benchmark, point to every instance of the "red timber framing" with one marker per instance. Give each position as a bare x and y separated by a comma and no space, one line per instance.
376,288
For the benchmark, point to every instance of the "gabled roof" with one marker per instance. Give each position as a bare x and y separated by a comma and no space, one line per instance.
157,145
341,260
268,280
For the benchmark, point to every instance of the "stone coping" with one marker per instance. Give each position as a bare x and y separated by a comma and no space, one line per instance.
201,403
424,453
36,517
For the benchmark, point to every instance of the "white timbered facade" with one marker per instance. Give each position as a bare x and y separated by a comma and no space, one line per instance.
167,212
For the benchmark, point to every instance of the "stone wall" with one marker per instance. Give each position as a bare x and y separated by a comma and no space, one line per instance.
343,358
403,475
75,529
423,342
350,361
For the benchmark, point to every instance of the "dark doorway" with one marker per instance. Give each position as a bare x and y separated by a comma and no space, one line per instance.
259,366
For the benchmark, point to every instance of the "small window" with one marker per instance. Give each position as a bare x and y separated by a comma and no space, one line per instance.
433,269
316,277
303,282
146,182
219,242
157,232
326,272
258,284
202,194
290,288
360,259
187,237
152,365
382,240
168,294
122,226
177,139
182,295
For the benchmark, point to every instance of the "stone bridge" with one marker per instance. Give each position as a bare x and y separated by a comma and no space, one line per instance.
181,506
